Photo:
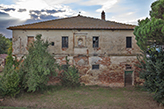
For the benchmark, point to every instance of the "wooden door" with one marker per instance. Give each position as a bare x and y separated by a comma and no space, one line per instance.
128,78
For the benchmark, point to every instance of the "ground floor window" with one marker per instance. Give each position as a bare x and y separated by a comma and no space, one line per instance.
95,66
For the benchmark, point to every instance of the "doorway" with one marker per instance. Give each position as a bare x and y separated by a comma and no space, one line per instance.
128,78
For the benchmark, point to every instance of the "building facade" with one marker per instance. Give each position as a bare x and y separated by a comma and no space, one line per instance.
104,51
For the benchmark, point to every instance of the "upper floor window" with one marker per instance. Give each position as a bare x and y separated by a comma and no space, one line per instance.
65,42
30,40
128,42
95,42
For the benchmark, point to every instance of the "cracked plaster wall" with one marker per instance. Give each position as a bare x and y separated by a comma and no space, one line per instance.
111,55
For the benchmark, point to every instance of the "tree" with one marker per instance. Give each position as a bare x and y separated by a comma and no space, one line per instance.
149,35
9,83
37,66
4,44
151,31
157,9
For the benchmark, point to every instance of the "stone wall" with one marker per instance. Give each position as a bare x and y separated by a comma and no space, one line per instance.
111,70
111,42
111,54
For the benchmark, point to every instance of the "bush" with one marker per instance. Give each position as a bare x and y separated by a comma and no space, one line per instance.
152,72
70,76
37,66
9,84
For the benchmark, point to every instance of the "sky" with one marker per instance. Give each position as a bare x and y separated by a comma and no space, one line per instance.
19,12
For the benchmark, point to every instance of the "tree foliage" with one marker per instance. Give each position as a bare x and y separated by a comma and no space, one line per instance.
150,31
152,73
9,83
70,76
149,35
157,9
37,66
4,44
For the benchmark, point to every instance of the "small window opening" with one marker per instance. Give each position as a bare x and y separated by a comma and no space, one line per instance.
95,42
52,43
128,67
64,67
95,67
128,42
64,42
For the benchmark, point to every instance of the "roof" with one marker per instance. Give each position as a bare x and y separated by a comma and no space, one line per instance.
76,22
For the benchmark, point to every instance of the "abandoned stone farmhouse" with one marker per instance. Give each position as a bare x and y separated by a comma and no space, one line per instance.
104,51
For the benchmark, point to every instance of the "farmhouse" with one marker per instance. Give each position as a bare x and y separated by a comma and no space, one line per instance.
104,51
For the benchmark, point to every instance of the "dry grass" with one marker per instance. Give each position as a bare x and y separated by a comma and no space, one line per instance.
85,98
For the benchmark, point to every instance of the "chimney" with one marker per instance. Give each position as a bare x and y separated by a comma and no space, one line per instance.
103,15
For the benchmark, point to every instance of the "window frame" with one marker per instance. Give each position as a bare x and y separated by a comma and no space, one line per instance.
93,43
66,42
128,42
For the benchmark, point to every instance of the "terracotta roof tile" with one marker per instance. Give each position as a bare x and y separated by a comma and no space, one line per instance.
76,22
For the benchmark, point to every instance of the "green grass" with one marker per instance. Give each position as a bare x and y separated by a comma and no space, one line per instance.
84,97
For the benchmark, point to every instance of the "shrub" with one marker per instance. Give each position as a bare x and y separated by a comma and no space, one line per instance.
9,84
37,66
152,72
70,76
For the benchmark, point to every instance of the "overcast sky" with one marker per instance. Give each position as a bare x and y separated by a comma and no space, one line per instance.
18,12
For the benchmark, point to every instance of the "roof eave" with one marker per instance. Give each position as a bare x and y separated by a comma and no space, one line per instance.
70,28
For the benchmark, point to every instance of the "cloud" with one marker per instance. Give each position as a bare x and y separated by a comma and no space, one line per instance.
6,21
33,16
44,14
47,17
105,4
22,10
55,2
35,12
52,11
3,14
9,9
27,9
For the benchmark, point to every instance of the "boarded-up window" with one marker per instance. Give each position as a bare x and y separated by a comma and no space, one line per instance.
95,42
65,42
128,42
30,40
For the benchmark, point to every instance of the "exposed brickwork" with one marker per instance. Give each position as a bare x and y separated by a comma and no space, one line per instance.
110,73
129,50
